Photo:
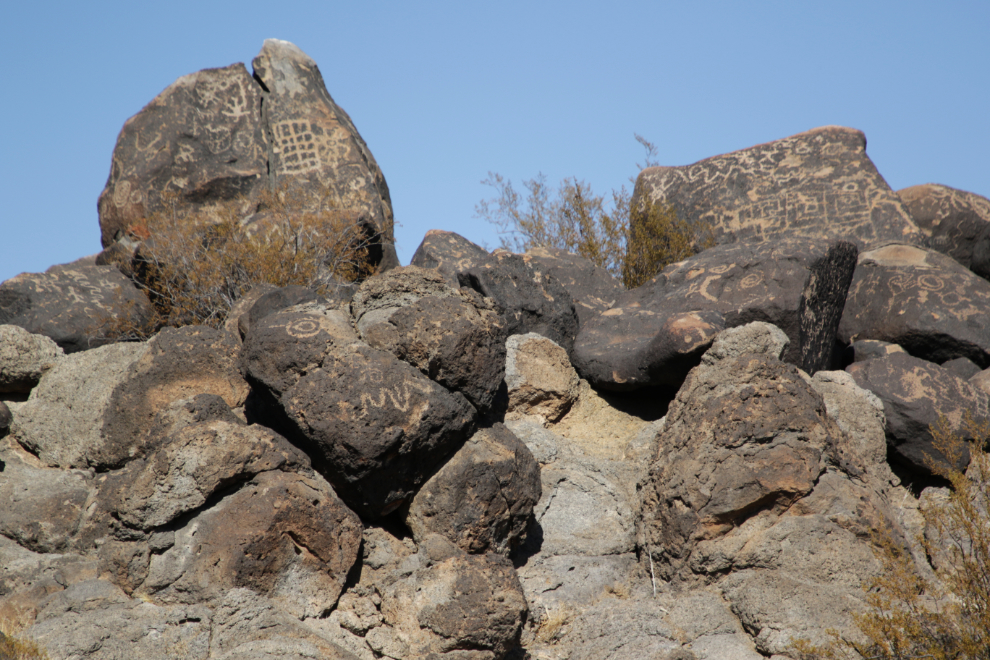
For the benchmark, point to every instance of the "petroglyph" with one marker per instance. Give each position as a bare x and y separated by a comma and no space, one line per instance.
818,184
303,146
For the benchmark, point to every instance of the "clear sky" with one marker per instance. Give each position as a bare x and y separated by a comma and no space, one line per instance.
444,92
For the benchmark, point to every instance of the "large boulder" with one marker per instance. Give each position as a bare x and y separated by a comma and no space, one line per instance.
655,333
594,290
956,222
453,336
758,492
920,299
529,299
539,377
481,499
63,421
221,136
79,306
915,393
376,426
24,357
449,253
817,185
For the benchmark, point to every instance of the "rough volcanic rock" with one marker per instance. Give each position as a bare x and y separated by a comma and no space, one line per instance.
914,394
592,288
273,300
920,299
453,336
539,377
376,425
63,421
247,626
43,508
178,364
73,305
529,299
190,467
859,413
286,536
203,137
817,185
962,367
24,357
757,491
6,418
482,498
221,136
94,620
655,333
455,606
869,349
449,253
313,143
956,222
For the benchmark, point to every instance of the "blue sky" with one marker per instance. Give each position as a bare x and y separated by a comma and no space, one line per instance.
444,92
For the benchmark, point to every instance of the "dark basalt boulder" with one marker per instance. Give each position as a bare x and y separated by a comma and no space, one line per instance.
449,253
375,425
592,288
482,499
915,393
869,349
529,299
817,185
274,301
5,419
74,305
221,136
956,222
453,336
655,333
920,299
961,367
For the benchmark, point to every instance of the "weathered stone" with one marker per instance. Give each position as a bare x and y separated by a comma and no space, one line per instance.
457,606
247,626
94,620
920,299
962,367
190,467
859,413
376,426
655,333
956,222
869,349
481,499
449,253
455,337
42,507
178,364
275,300
314,144
756,337
24,357
74,306
594,290
745,434
285,536
6,418
539,377
236,323
915,393
529,299
202,137
817,185
63,421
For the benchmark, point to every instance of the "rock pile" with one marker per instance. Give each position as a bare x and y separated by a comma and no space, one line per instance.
484,456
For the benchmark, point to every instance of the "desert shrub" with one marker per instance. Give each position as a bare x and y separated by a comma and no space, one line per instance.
947,618
18,648
632,241
195,267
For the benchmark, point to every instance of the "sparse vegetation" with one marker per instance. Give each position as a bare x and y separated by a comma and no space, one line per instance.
947,618
194,268
13,647
632,241
552,622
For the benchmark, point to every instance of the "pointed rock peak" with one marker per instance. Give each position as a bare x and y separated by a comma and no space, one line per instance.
282,67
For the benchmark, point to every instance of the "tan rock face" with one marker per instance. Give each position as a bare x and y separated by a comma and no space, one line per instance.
24,357
540,379
819,185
